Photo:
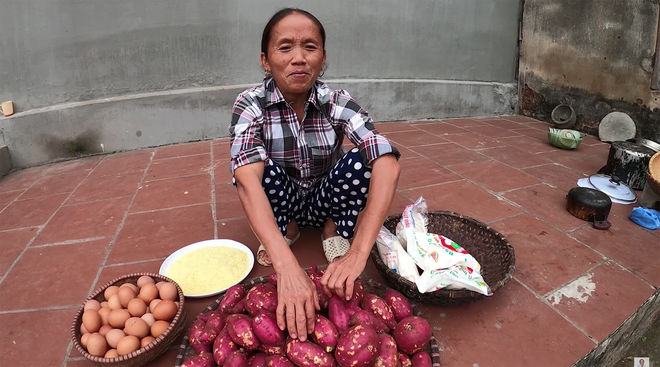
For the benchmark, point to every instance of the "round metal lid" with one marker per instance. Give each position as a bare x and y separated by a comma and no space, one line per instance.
613,187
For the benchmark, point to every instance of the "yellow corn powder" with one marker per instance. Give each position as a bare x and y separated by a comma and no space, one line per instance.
209,269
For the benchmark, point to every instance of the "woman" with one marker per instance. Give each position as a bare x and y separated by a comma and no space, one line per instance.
291,170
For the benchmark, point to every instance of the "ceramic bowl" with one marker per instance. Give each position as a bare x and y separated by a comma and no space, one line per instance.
565,138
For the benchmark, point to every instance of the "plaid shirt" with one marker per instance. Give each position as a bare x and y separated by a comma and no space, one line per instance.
265,126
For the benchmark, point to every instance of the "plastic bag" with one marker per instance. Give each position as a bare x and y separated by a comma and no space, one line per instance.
414,219
395,256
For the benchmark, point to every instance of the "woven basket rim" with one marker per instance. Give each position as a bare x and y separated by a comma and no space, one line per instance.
177,321
185,344
451,293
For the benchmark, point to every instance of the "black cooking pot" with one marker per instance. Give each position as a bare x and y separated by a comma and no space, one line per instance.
591,205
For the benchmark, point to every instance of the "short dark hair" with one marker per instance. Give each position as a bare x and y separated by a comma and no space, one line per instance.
268,29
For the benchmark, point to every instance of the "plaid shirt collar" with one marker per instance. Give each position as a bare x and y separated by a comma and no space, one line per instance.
274,95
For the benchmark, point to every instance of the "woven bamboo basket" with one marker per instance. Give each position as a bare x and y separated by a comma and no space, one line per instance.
493,252
370,285
151,351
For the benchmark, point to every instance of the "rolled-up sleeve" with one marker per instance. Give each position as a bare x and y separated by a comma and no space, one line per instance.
246,131
359,128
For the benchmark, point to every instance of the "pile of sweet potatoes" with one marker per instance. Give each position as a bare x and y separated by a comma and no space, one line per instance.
367,330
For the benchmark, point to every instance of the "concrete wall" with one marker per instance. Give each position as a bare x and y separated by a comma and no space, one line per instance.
596,55
86,68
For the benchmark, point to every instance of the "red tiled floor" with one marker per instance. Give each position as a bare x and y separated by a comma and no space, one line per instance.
81,164
399,203
390,127
173,192
52,279
417,172
602,299
529,145
228,205
441,128
22,179
110,273
22,340
541,135
465,198
628,244
179,167
512,328
493,131
8,197
413,138
89,220
405,152
222,173
494,175
30,212
13,243
545,258
221,149
463,122
623,210
63,183
589,164
474,141
503,123
181,150
123,163
514,157
546,203
556,175
108,187
449,154
155,235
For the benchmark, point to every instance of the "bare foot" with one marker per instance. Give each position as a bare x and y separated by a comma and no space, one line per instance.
329,229
292,231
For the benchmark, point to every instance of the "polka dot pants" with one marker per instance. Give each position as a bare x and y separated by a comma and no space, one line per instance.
340,196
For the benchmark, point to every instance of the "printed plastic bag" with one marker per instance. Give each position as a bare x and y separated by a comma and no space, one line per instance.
414,219
394,255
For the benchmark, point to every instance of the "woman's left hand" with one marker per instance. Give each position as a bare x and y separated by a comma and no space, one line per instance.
339,278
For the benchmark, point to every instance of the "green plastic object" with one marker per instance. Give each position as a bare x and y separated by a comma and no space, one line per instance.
565,138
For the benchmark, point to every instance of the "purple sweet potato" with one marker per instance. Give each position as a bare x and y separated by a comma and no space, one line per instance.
223,346
325,334
272,350
387,352
366,318
352,308
233,295
379,308
278,361
213,326
404,360
194,333
266,329
358,293
412,334
262,297
308,354
315,276
399,304
238,308
257,360
421,359
357,347
240,330
272,279
237,358
337,313
203,359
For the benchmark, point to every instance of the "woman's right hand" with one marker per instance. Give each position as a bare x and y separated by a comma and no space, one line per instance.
297,302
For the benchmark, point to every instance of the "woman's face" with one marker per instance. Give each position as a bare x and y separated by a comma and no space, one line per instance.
295,56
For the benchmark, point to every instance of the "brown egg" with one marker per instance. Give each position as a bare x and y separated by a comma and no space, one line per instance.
110,291
137,327
158,328
83,330
104,329
132,286
168,292
92,305
153,304
92,321
83,339
96,345
112,353
113,337
128,344
144,280
148,318
160,284
118,318
104,304
136,307
114,303
177,304
104,313
165,310
148,293
126,294
146,340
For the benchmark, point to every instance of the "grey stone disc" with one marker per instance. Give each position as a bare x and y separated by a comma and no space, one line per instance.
616,126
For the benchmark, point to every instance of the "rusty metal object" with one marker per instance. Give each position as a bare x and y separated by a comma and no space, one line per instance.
590,205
